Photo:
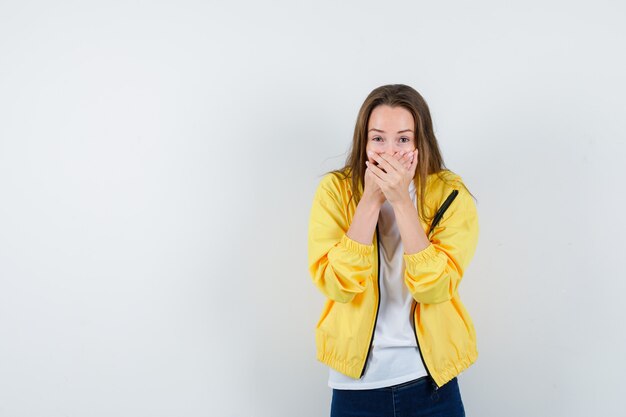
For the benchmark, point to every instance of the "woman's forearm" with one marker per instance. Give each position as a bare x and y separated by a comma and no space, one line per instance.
364,222
414,238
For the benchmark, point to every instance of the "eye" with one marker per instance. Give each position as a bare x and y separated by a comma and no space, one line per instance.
405,140
376,137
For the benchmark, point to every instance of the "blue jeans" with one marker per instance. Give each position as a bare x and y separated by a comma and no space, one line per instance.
410,399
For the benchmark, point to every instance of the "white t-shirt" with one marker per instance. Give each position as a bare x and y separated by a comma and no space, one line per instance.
394,357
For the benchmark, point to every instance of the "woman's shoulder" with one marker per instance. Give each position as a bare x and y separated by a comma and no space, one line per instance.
441,184
336,181
444,178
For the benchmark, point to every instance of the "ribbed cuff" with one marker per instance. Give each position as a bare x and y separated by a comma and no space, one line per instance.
427,254
354,246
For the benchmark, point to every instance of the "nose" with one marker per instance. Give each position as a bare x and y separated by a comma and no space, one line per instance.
391,148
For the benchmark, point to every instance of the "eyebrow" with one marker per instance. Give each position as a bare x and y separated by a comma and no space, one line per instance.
382,131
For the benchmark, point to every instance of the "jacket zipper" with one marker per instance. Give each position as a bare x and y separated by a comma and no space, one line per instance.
376,319
438,216
378,305
419,349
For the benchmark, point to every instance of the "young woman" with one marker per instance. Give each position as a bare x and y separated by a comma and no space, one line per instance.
390,236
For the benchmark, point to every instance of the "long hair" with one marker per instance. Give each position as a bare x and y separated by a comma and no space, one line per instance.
429,159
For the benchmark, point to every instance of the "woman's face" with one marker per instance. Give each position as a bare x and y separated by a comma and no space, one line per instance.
390,130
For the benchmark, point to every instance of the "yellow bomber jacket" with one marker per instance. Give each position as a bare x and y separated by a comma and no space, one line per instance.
346,272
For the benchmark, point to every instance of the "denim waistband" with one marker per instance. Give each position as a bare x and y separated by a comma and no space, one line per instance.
420,380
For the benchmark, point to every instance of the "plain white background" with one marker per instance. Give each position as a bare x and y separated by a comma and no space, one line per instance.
158,162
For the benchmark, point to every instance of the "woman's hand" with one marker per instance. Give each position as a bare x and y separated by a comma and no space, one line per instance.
372,191
392,176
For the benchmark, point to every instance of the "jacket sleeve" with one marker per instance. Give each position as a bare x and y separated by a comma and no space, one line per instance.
338,265
433,274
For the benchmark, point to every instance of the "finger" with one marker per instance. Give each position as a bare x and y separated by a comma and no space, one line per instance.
377,180
383,163
413,166
407,159
368,171
403,156
375,160
376,171
393,162
399,155
373,179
